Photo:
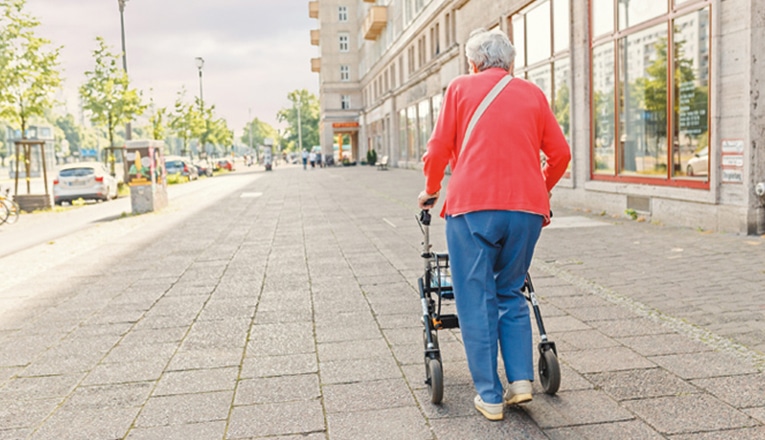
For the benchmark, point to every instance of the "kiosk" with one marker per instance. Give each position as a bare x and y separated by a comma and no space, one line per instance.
146,175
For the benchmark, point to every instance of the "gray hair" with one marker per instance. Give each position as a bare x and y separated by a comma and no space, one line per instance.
487,49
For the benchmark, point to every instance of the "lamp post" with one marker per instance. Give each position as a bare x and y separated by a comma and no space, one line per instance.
128,129
200,63
300,124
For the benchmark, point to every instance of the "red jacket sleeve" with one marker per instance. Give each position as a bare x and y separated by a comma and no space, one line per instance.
555,147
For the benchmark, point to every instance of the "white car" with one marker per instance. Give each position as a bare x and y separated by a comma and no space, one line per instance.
85,180
698,165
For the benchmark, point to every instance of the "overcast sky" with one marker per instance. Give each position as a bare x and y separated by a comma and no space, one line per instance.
255,51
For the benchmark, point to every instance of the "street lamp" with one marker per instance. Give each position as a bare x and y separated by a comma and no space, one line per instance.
200,63
128,129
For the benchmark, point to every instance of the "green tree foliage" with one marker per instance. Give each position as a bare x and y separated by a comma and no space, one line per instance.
218,133
186,121
260,131
309,119
157,121
107,94
28,68
71,130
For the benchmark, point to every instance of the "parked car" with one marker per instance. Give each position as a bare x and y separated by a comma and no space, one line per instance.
224,164
204,168
85,180
698,165
182,167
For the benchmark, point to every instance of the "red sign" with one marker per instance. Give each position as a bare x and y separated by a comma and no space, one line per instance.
345,125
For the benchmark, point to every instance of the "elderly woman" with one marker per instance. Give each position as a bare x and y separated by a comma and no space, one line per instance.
497,203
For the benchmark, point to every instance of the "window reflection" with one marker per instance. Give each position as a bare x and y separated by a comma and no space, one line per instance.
603,108
691,94
643,102
424,123
538,33
411,131
602,17
632,12
402,134
542,78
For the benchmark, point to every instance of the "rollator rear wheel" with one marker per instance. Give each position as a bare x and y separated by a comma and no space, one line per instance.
435,379
549,371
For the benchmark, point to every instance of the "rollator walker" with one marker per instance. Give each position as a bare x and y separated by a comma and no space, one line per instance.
435,288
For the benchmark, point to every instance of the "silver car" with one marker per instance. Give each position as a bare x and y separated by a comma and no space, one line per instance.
85,180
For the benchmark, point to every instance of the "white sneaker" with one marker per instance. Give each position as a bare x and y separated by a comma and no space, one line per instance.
492,411
518,392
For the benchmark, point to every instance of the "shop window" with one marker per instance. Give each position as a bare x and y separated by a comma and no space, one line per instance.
650,94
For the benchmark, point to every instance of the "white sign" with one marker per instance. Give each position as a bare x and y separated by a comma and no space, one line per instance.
733,146
733,160
732,176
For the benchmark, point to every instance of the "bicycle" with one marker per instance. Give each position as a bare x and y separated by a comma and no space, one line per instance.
9,213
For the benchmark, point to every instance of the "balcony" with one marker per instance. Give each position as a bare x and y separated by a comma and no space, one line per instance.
375,22
315,64
314,37
313,9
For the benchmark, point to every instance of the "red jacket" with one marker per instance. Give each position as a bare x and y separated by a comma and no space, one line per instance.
499,168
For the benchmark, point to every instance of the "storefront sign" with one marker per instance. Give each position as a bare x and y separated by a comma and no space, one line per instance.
345,125
732,161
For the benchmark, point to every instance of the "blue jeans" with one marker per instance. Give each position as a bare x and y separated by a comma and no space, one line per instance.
490,254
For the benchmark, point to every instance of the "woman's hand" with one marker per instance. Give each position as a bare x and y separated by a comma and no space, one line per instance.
427,201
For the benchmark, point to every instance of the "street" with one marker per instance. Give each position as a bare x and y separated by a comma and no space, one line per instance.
283,305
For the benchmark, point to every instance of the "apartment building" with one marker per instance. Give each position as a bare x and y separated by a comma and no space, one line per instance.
659,98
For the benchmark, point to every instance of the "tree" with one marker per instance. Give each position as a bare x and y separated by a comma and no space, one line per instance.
107,94
157,121
28,69
309,118
260,130
186,121
72,132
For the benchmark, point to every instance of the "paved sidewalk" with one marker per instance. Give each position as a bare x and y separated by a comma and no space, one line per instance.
287,310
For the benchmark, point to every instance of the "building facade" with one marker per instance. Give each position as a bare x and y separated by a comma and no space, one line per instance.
659,99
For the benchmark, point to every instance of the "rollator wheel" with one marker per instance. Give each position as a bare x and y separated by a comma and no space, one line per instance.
435,379
549,371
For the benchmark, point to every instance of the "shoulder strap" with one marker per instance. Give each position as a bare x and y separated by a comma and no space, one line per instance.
483,106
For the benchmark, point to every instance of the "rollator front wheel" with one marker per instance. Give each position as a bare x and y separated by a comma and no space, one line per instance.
435,379
549,371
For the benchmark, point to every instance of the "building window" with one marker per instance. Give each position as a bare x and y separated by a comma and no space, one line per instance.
540,34
345,102
402,133
650,92
344,38
342,13
345,72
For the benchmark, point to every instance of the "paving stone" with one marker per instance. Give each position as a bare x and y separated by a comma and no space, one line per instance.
110,396
631,327
644,383
702,365
756,413
670,343
42,387
185,408
688,414
633,430
757,433
516,425
197,381
355,332
277,389
109,423
276,419
345,371
15,414
366,396
287,365
565,409
742,391
111,373
585,339
605,359
376,424
196,431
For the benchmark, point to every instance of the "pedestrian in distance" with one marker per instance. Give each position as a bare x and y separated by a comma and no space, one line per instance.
312,159
497,204
305,158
